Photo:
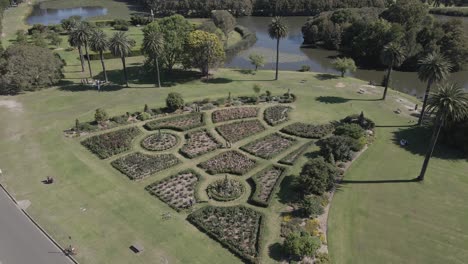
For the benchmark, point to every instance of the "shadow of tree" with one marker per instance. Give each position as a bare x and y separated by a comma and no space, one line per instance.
326,76
418,140
218,80
275,251
89,87
287,193
313,154
332,99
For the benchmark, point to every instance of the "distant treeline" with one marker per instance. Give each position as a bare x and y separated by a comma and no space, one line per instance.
203,8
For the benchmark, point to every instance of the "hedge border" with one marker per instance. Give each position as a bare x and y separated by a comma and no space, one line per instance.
254,179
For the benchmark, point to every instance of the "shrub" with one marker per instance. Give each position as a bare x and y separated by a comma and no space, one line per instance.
308,130
111,143
350,130
138,165
238,228
100,115
305,68
364,122
121,24
179,123
338,148
141,20
277,114
311,206
322,258
37,28
301,245
266,181
121,120
174,101
144,116
316,177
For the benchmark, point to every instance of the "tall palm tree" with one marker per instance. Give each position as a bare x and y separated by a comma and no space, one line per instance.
277,29
433,68
121,46
392,55
449,103
99,43
75,42
82,33
153,45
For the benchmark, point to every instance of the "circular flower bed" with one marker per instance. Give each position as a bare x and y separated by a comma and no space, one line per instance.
225,190
159,141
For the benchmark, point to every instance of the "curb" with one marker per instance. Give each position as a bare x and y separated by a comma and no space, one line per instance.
71,258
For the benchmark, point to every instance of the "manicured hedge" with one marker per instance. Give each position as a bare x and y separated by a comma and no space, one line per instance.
266,183
308,130
292,157
138,165
226,224
179,123
111,143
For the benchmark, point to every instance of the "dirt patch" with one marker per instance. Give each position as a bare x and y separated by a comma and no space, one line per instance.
340,85
11,105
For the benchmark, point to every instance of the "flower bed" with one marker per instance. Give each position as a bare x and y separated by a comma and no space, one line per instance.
228,162
225,190
277,114
266,182
179,123
112,143
292,157
269,146
234,113
159,142
138,165
236,131
308,130
177,191
237,228
198,143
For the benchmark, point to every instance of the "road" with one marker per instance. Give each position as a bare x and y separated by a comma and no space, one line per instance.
21,242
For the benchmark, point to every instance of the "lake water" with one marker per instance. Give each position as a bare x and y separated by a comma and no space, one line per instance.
54,16
292,56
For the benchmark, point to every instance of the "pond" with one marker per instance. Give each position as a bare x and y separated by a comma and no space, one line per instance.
54,16
292,56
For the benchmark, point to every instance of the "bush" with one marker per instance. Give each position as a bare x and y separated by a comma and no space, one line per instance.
305,68
361,120
141,20
316,177
301,245
144,116
311,206
100,115
174,101
338,148
322,258
121,24
350,130
37,28
121,120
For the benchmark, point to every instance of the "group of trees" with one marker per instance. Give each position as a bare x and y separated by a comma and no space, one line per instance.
364,33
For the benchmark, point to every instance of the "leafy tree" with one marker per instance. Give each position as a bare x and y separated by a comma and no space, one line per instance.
121,46
28,68
449,103
70,23
203,51
317,176
277,29
210,27
100,115
432,68
408,13
257,60
81,34
153,44
21,37
454,43
338,148
392,55
225,21
344,65
175,30
55,39
39,40
74,41
312,206
174,101
350,130
301,244
99,43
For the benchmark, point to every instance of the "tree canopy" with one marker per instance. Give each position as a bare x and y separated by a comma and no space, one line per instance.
203,51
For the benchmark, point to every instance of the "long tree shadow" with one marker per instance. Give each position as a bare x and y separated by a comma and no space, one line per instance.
418,139
344,182
326,76
89,87
340,100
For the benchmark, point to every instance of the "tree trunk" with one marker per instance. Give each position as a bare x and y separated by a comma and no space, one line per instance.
89,61
256,67
387,81
81,58
435,136
157,69
125,71
343,73
277,57
103,65
426,96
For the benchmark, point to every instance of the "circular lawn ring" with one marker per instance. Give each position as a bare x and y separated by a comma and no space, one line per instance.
159,141
225,190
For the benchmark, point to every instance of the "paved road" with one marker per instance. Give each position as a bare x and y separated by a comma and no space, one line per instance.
21,242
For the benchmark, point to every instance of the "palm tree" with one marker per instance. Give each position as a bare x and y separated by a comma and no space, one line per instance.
153,44
433,68
75,42
277,30
392,56
81,35
121,46
99,43
449,103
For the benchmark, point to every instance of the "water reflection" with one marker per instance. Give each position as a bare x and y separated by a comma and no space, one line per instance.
54,16
292,56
